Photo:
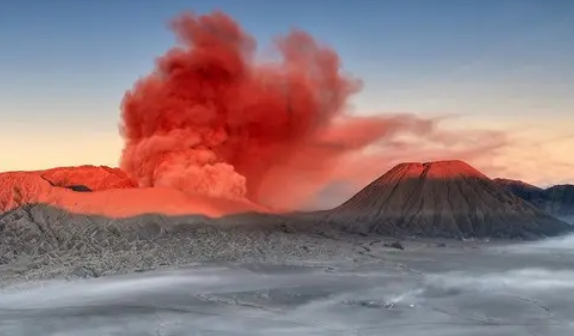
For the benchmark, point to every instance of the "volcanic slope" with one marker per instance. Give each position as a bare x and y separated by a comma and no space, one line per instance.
521,189
92,178
442,199
107,192
557,200
560,201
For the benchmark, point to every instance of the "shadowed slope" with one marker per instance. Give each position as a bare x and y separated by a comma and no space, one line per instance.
527,192
446,198
560,200
518,186
557,200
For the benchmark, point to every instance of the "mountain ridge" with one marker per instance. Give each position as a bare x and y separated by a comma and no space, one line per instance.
448,199
558,200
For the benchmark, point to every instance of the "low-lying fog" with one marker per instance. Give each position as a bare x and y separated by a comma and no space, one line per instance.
521,289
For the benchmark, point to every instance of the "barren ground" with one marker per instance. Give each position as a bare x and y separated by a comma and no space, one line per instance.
153,280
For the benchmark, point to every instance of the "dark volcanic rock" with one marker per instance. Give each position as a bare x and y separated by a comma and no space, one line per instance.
442,199
396,245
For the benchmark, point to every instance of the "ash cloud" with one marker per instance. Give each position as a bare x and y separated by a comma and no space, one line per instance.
212,120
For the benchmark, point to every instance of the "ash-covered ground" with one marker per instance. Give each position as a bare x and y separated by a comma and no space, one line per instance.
297,284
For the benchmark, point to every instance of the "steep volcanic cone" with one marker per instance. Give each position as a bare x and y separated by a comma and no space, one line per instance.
443,199
23,188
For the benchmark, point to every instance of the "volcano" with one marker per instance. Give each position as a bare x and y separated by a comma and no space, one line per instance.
88,178
437,199
106,191
442,199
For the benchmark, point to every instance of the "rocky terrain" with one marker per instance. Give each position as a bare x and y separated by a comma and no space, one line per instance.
41,242
231,280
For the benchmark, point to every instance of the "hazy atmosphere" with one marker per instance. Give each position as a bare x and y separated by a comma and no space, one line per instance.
287,168
496,66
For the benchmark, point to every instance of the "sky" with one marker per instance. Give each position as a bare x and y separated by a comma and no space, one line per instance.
504,66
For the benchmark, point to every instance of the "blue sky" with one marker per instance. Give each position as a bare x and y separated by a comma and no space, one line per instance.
66,64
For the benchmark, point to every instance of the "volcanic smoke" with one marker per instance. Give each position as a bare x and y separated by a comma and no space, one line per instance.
213,120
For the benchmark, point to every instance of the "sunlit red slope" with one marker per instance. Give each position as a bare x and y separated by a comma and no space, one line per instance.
446,198
114,196
96,178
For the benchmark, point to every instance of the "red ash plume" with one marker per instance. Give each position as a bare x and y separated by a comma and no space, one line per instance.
212,120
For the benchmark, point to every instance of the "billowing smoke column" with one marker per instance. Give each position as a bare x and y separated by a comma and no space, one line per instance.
212,120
